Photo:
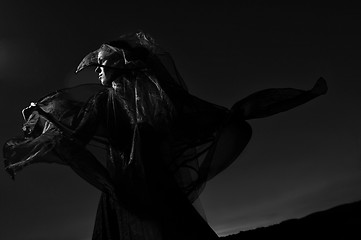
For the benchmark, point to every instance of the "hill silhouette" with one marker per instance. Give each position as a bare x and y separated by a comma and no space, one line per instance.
343,221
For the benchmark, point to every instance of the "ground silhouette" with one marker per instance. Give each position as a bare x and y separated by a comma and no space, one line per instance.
343,222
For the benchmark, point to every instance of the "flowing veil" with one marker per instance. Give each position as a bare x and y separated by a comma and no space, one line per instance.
147,122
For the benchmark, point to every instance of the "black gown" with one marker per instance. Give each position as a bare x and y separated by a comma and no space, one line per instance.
145,142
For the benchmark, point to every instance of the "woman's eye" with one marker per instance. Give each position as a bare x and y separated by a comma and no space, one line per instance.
104,62
100,60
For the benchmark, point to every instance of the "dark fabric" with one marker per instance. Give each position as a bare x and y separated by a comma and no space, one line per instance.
145,142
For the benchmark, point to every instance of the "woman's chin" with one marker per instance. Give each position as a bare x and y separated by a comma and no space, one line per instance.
106,83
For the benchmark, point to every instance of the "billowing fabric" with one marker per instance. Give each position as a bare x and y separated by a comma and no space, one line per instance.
145,142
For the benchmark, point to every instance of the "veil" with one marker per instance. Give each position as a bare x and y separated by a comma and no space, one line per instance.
204,138
201,139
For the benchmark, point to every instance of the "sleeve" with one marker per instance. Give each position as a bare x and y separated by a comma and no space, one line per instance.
48,139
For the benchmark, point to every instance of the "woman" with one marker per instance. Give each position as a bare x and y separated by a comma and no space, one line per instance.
159,143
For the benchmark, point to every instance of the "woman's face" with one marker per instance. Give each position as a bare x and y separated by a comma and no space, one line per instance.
105,74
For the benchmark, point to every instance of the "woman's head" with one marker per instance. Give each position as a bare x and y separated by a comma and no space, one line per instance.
107,71
113,61
129,52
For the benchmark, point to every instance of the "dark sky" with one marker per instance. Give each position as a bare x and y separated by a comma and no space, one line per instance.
301,161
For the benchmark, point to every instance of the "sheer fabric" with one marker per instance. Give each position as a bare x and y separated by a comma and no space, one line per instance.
146,142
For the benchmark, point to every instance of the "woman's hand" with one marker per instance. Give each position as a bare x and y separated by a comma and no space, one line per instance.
28,110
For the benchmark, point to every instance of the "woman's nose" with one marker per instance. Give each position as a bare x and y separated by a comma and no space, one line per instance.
97,69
